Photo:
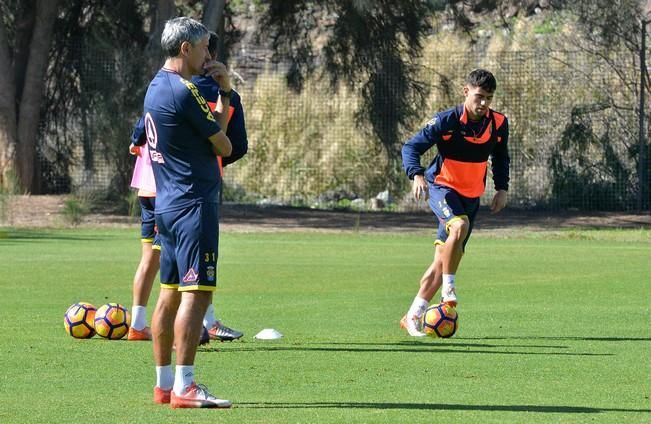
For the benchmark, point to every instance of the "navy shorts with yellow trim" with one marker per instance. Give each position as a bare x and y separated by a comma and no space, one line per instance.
448,206
189,241
148,230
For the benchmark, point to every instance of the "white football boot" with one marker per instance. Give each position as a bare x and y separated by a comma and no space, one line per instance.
412,325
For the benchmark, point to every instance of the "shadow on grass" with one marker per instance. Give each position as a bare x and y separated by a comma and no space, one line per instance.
416,348
9,237
447,343
438,407
578,338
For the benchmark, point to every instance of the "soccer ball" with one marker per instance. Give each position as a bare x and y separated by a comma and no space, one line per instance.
440,321
112,321
78,320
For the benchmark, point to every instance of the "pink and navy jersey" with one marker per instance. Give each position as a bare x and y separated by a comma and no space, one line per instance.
464,147
178,123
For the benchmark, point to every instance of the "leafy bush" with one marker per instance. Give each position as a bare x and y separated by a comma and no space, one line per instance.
74,210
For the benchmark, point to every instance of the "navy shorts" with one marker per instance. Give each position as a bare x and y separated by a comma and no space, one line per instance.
189,240
449,206
148,230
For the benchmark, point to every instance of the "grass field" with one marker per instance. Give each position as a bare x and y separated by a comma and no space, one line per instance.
554,327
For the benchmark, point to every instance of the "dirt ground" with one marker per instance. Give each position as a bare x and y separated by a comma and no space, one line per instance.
46,211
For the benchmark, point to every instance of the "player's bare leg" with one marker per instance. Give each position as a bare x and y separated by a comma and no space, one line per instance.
142,285
163,338
431,280
145,274
451,254
188,324
429,285
187,328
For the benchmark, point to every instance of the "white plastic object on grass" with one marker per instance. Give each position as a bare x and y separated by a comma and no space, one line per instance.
268,334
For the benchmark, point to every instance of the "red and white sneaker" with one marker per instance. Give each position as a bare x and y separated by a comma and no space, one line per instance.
198,396
223,333
162,395
139,335
412,325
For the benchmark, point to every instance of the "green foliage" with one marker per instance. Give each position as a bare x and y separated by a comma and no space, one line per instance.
74,209
96,83
587,172
546,27
572,361
372,47
389,66
303,144
608,24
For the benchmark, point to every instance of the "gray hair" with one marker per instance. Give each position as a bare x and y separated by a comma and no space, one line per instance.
178,30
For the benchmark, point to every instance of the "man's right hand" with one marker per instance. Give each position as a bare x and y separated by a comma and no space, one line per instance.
419,188
134,150
219,72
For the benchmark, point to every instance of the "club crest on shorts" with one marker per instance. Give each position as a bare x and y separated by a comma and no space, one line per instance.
191,276
210,273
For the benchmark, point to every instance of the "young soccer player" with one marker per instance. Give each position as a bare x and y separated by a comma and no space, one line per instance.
466,136
143,280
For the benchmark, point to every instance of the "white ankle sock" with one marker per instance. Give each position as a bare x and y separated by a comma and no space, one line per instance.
138,317
164,377
448,285
418,306
184,378
209,318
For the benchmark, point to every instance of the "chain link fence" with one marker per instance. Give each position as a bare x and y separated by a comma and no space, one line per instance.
574,136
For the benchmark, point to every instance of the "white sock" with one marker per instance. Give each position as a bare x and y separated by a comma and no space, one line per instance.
209,318
418,307
448,285
164,377
184,378
138,317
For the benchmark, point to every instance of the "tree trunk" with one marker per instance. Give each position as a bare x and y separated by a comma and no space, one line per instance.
30,106
7,113
25,17
165,9
213,19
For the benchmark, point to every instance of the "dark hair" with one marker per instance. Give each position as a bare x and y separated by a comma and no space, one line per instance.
483,79
212,43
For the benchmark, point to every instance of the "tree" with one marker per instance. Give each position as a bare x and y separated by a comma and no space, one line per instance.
213,19
613,33
373,46
23,64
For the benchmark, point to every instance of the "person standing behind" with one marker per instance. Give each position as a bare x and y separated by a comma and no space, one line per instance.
465,136
183,137
143,180
236,132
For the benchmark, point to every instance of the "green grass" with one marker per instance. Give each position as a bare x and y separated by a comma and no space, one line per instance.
554,327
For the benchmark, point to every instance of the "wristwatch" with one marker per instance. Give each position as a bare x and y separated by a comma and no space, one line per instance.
226,94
